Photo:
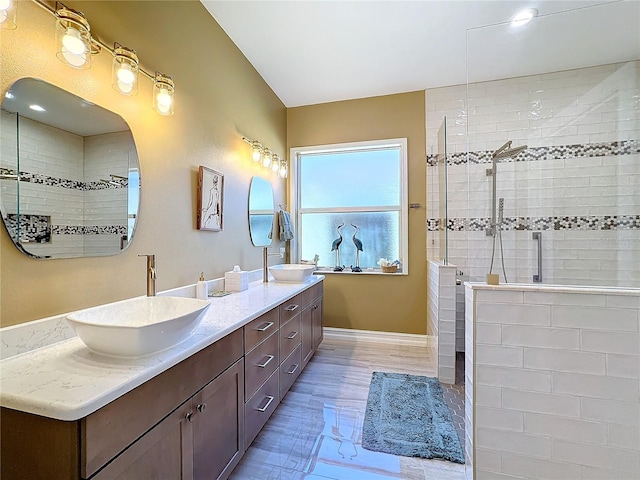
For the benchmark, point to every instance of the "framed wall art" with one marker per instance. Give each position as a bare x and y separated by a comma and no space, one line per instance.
210,189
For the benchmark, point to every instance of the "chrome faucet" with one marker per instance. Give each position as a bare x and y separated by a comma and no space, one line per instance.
151,275
265,257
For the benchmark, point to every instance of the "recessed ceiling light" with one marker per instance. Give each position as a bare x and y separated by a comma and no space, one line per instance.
523,17
37,108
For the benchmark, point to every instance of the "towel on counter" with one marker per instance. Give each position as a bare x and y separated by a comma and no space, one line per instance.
286,231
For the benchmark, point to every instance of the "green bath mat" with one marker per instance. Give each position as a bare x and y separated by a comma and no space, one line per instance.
407,415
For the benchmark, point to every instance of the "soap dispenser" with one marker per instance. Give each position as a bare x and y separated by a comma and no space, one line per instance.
201,288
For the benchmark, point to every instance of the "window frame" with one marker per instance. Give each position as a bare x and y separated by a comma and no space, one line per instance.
294,194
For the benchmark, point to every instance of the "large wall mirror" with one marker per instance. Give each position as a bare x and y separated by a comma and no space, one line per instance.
69,174
261,212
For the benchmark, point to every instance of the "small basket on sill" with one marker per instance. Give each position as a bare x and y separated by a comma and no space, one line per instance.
389,268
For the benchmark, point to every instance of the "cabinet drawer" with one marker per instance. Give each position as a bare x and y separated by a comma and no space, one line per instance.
115,426
261,362
311,293
290,308
290,336
259,329
259,408
290,370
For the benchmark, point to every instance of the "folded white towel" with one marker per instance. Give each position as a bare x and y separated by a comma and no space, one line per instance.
286,231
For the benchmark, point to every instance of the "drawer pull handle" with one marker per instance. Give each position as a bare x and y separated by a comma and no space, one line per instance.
265,327
264,409
201,407
292,335
291,308
269,358
315,307
188,416
293,370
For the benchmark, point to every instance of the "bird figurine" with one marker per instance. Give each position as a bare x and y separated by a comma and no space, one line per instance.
336,246
358,243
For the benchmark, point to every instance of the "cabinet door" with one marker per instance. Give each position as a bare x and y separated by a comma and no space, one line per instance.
158,454
218,425
307,335
316,327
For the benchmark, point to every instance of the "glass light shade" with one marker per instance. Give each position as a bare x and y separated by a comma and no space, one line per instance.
8,14
163,94
73,38
256,151
275,164
283,172
124,77
266,158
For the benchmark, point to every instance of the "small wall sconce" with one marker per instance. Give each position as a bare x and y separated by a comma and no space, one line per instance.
124,77
8,14
73,37
163,94
267,158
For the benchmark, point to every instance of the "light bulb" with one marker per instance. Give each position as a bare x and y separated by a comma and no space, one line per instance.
125,87
256,152
5,5
283,170
125,75
72,42
275,165
73,59
163,100
266,158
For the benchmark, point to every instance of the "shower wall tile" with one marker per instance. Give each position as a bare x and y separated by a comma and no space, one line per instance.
578,386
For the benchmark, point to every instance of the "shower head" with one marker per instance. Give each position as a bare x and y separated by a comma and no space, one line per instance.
505,151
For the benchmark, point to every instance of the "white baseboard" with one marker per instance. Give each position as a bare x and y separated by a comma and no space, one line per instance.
376,336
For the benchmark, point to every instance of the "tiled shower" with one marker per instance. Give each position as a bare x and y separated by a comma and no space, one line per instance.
542,348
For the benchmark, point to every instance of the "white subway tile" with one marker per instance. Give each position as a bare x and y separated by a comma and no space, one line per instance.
624,301
532,445
505,313
611,411
565,361
537,402
558,338
593,473
500,296
488,460
626,366
499,419
491,475
488,396
539,468
566,428
527,380
498,355
597,456
596,318
553,298
610,342
598,386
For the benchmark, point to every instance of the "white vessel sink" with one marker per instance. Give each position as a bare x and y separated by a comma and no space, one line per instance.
138,327
291,272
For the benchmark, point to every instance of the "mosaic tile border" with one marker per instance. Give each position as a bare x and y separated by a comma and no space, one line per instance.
40,179
89,230
32,228
583,222
604,149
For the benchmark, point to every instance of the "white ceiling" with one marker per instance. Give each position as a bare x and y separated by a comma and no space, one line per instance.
313,52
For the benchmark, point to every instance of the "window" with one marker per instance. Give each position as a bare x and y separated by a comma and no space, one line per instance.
361,184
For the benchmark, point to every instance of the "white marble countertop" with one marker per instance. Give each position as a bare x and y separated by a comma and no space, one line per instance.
66,381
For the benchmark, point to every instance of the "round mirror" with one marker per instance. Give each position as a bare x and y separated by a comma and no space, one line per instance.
261,212
69,174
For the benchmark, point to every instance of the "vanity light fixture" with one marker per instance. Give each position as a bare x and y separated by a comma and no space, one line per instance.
275,163
73,37
125,68
523,17
163,94
256,151
284,169
267,157
8,14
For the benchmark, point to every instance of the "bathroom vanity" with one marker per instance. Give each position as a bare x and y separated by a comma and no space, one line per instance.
189,412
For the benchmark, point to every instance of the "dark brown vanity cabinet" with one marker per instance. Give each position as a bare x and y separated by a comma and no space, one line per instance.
186,423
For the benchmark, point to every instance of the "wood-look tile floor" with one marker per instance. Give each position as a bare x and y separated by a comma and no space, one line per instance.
316,432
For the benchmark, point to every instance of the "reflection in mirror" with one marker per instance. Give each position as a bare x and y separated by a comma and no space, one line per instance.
69,174
261,212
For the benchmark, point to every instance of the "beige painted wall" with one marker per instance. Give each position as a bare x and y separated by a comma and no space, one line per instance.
219,99
375,302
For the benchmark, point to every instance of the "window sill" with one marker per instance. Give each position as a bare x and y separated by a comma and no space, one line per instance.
365,271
